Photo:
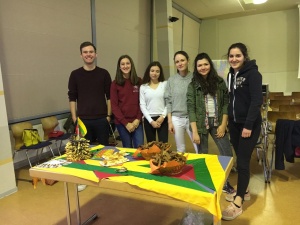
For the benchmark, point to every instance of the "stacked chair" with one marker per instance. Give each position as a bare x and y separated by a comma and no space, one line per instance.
17,131
49,125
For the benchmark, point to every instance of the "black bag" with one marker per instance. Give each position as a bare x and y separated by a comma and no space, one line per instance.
69,125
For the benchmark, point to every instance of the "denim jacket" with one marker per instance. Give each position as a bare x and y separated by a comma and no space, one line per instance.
196,104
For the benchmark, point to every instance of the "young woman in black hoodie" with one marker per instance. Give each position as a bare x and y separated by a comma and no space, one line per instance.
244,120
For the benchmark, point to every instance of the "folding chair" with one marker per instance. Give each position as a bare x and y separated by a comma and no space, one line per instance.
17,131
262,145
49,124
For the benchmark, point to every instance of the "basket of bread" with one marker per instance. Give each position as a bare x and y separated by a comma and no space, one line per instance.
168,163
149,150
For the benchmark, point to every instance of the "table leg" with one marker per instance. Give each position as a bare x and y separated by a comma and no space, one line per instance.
91,218
67,203
216,221
77,205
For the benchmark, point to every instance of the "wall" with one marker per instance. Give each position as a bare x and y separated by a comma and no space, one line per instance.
8,182
185,36
123,28
39,47
39,42
272,39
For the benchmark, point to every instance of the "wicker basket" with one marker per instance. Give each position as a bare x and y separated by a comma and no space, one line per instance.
168,168
148,153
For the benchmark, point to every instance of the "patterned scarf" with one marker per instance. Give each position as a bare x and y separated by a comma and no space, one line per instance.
216,122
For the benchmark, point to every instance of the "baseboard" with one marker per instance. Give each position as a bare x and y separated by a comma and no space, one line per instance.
9,192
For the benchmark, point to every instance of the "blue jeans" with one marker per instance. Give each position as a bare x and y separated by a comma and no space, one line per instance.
223,143
133,139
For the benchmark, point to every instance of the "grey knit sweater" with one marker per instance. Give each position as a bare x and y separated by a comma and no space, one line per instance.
175,94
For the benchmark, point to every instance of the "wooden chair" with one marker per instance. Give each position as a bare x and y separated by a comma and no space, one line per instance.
289,108
274,104
295,101
273,116
285,97
273,94
49,125
296,94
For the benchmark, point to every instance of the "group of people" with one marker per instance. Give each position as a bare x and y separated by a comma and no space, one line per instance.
198,102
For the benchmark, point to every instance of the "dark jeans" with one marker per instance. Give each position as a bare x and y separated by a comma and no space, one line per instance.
162,132
97,130
243,148
133,139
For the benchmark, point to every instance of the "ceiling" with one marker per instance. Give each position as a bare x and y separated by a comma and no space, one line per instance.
224,9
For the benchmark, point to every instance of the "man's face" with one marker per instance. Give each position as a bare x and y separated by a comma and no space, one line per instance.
88,55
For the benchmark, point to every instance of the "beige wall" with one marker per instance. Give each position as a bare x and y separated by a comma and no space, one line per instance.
272,39
39,47
8,183
123,28
186,36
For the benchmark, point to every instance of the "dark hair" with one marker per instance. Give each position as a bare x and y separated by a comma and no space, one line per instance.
242,48
181,53
85,44
120,80
146,78
210,84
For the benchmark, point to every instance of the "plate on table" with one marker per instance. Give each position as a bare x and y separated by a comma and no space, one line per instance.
110,156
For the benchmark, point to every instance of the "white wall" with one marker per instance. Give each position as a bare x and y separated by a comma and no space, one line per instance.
7,173
272,39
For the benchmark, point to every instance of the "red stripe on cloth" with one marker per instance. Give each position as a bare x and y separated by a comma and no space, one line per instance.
187,173
102,175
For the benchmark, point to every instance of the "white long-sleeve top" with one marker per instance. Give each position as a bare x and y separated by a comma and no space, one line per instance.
152,101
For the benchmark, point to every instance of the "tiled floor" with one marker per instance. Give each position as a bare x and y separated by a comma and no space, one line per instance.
276,203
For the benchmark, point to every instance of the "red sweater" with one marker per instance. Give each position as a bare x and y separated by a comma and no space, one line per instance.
125,102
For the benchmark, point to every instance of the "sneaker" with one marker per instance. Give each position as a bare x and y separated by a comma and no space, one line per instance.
81,187
228,188
230,197
231,212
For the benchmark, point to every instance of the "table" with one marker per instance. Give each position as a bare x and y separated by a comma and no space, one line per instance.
200,184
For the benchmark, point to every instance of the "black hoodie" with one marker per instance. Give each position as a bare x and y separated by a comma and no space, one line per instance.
245,92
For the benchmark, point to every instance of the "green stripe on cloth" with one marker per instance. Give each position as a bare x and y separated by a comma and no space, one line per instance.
163,179
202,173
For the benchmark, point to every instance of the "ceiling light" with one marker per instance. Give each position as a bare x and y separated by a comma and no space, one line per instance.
256,2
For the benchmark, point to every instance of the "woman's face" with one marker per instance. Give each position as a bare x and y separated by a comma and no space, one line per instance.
181,63
125,66
203,67
154,73
236,59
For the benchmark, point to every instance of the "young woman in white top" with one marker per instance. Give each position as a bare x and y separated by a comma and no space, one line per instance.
152,103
